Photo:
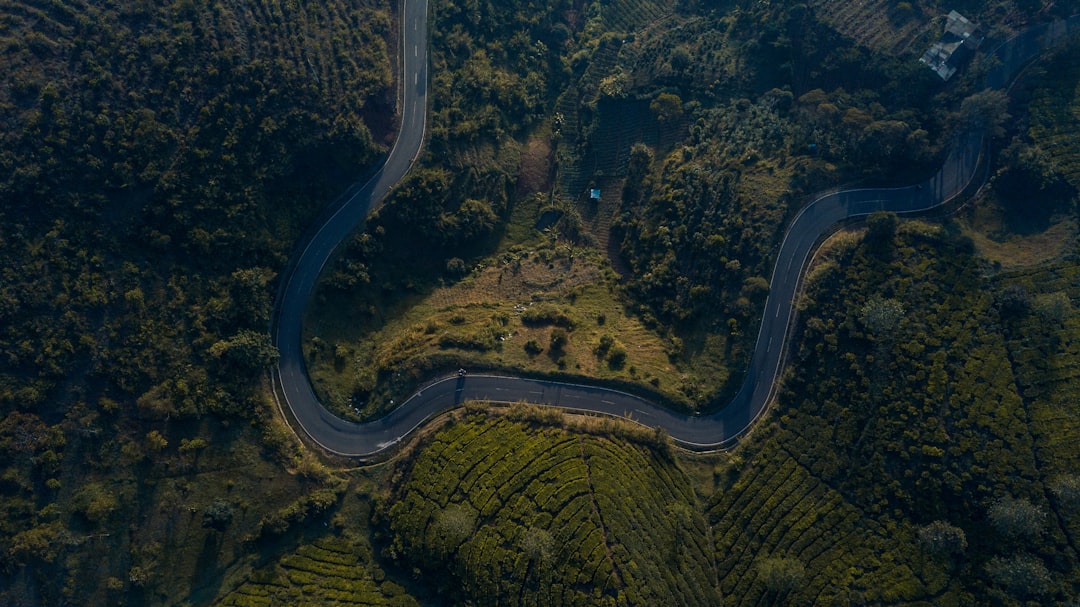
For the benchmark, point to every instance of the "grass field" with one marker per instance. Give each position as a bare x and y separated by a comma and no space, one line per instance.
502,315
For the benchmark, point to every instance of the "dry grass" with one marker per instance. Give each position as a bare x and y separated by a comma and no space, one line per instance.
479,320
1017,251
534,173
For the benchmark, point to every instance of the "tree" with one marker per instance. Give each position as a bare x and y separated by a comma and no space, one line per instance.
1022,574
881,315
616,357
986,110
1014,301
218,515
250,351
940,539
667,107
1066,489
881,230
1017,518
538,544
680,58
453,526
455,267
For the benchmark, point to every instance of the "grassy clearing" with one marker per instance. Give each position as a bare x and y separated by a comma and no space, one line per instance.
530,309
994,241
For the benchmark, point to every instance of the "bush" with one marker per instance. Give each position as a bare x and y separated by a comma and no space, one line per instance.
559,338
606,342
781,575
218,515
533,347
547,314
617,357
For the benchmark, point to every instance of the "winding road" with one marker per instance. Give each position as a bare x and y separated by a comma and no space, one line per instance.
717,431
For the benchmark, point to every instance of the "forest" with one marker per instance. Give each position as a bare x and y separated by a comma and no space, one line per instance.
161,161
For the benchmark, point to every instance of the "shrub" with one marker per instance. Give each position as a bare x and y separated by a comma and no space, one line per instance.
533,347
781,575
559,338
617,357
218,515
546,314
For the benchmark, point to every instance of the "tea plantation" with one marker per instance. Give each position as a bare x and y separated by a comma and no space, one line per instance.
504,512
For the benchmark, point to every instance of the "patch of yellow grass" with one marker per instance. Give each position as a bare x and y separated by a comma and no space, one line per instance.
487,308
1025,251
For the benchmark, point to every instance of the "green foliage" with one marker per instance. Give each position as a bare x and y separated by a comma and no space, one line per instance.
941,539
246,352
219,514
881,229
922,440
313,504
338,571
781,575
547,314
1017,518
1022,574
497,512
156,161
667,107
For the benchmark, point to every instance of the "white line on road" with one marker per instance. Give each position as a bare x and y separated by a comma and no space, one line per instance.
608,402
769,349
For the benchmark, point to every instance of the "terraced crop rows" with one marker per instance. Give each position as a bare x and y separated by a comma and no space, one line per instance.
1047,365
780,510
869,23
319,39
329,572
631,15
605,506
1055,113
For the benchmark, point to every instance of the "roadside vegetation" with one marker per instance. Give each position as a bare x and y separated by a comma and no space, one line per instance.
158,162
161,160
1027,214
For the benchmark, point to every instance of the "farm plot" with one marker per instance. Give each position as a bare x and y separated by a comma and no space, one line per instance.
542,516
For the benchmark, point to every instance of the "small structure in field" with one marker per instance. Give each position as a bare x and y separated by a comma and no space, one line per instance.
955,46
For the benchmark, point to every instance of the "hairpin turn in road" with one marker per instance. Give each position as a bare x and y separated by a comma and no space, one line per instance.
711,432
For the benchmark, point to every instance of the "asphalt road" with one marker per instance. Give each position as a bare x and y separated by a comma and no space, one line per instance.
716,431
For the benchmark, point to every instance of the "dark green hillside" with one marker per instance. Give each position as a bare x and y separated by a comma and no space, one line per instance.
158,162
926,396
506,512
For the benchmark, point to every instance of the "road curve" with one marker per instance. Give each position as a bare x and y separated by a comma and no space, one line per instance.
716,431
